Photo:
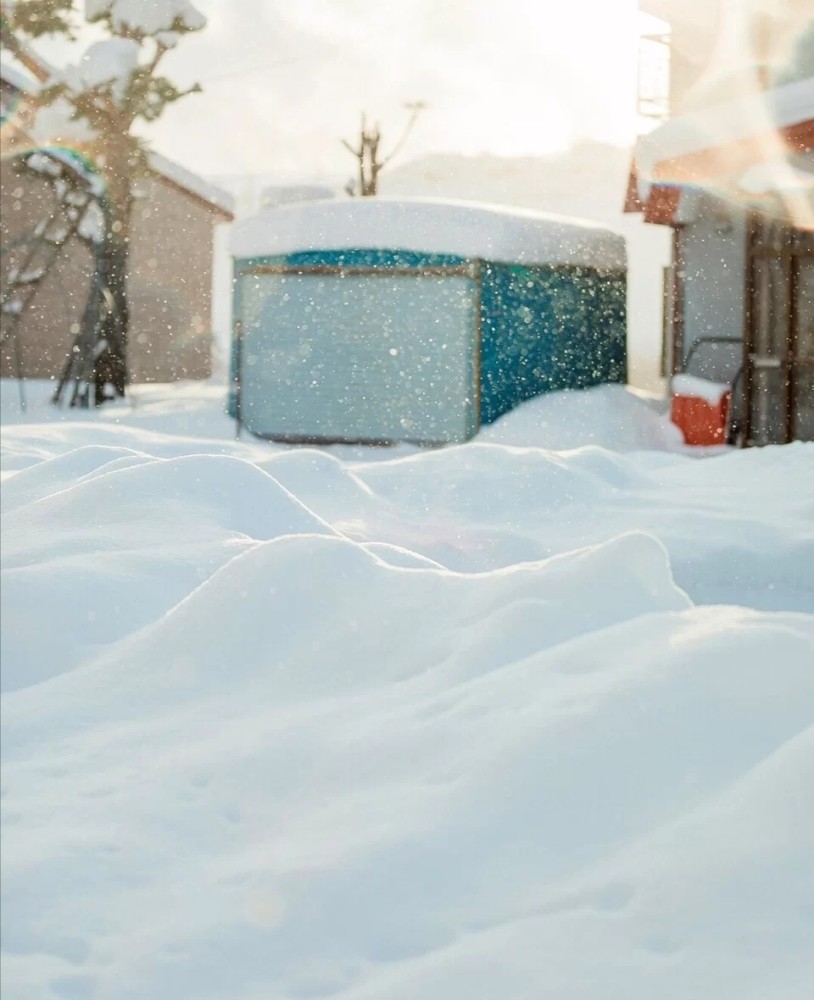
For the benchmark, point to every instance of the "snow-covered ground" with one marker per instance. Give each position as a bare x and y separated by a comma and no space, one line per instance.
530,717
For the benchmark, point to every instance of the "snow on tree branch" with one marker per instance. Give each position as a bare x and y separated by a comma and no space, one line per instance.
146,17
106,64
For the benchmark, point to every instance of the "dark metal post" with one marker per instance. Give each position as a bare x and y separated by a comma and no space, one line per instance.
677,318
238,380
18,361
792,337
748,329
478,345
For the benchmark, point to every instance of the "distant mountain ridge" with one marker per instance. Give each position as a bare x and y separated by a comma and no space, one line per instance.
586,181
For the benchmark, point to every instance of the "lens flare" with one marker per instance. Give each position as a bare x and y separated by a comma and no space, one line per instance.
742,125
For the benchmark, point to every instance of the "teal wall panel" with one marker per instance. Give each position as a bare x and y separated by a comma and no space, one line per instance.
548,328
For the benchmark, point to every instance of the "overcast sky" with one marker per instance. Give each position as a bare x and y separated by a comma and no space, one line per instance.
285,80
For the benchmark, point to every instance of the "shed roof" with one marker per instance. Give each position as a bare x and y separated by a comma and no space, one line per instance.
425,225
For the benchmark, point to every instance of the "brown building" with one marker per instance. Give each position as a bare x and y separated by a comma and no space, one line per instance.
731,171
171,261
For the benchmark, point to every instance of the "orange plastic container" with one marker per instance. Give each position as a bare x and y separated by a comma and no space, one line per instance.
699,421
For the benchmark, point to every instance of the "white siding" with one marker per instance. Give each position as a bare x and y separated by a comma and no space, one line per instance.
713,258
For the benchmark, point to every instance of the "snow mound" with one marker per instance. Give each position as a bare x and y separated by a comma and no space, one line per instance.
370,810
610,416
320,479
157,500
136,535
269,596
520,478
53,475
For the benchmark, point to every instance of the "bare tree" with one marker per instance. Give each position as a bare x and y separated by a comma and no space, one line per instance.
367,152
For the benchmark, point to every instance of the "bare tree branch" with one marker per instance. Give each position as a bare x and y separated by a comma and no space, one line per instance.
417,108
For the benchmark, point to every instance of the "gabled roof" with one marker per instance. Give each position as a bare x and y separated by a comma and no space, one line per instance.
173,173
774,111
191,183
720,147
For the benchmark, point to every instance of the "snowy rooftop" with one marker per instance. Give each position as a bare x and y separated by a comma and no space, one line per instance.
729,122
192,182
429,226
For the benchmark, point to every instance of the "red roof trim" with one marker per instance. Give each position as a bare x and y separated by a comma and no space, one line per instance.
662,205
734,157
633,203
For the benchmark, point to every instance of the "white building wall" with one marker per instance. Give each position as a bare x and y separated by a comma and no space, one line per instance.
713,262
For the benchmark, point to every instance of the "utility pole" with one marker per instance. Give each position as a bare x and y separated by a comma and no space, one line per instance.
366,152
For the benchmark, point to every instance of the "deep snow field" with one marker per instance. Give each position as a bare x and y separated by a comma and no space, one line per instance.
530,718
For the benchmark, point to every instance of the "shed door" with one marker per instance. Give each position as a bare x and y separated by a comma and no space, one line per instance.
780,348
358,357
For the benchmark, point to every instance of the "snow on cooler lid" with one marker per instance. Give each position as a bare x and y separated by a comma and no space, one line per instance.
700,388
466,229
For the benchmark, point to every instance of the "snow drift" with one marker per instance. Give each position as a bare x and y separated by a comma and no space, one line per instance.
493,721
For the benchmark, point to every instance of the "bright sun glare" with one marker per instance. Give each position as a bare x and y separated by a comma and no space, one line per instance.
516,78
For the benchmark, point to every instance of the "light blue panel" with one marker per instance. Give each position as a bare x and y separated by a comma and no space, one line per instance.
359,357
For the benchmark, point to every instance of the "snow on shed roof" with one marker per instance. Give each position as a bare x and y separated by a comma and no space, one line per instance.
425,225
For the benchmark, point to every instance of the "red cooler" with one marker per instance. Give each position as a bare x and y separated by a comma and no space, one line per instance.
700,409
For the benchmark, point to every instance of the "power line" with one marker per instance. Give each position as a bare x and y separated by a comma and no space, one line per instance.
266,67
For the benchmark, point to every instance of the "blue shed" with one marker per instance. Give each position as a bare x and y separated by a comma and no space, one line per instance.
379,320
